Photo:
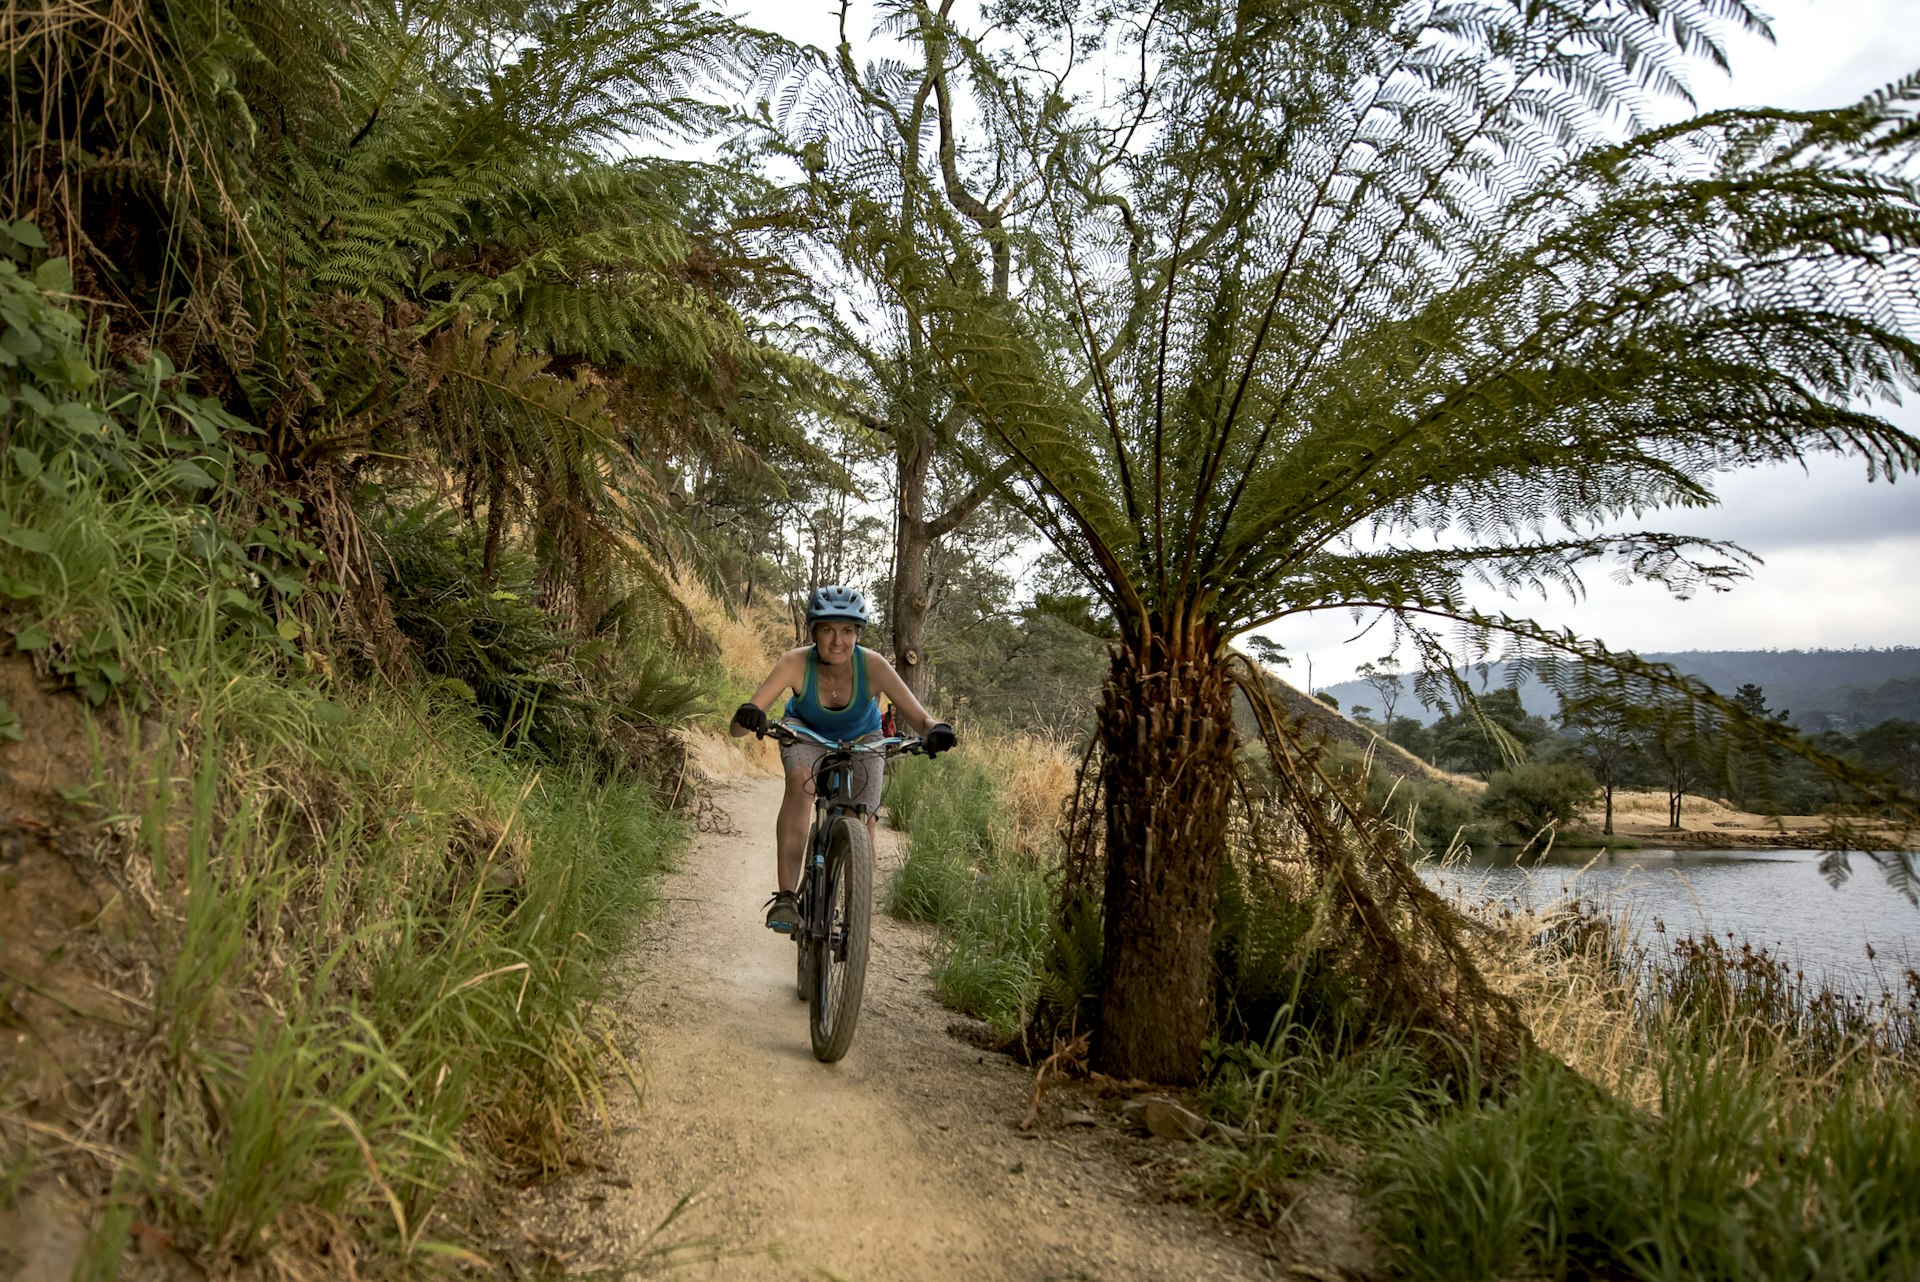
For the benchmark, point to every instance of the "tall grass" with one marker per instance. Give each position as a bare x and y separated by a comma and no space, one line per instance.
979,849
355,943
1729,1119
1741,1174
1307,1101
376,944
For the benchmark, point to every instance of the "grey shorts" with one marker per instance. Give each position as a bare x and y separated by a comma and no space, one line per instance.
869,771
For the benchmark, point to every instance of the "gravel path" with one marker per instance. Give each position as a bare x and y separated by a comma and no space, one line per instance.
903,1161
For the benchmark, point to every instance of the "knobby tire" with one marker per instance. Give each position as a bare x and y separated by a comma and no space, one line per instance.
840,969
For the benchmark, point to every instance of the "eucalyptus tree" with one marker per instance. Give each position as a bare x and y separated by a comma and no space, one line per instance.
1354,306
1385,682
886,168
1605,737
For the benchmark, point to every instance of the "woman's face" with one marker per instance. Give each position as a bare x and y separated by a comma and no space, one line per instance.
835,640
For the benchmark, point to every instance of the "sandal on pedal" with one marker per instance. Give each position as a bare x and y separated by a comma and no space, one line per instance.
783,912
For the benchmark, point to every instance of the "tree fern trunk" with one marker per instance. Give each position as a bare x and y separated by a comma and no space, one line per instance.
1166,727
496,522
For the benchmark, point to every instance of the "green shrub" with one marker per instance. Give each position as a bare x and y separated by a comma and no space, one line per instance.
1434,814
483,632
122,520
1267,961
1527,800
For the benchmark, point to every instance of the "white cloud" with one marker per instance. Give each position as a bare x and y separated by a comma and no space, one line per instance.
1824,54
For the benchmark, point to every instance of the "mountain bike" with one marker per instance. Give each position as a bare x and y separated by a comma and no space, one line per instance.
836,890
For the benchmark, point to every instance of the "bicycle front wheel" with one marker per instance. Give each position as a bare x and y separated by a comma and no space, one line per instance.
840,968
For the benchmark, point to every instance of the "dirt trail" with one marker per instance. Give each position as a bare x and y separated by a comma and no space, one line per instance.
904,1161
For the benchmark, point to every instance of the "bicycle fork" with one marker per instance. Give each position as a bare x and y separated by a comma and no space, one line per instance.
814,898
813,911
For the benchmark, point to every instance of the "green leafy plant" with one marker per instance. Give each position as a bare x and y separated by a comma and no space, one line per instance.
120,491
1530,801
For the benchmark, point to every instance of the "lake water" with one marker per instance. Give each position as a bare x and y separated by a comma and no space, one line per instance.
1775,898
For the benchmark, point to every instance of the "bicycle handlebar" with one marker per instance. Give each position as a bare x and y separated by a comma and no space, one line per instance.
892,746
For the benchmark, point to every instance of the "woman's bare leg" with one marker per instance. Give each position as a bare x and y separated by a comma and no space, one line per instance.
790,830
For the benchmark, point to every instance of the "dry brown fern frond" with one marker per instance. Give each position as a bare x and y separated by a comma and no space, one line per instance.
1387,929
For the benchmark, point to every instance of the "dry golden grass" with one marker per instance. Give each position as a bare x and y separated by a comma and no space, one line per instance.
1038,776
749,642
1643,815
1572,995
1606,1007
1696,809
717,755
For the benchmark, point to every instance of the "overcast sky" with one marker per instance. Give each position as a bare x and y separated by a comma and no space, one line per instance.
1841,557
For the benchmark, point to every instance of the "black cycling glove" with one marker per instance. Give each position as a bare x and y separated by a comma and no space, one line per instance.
751,717
939,738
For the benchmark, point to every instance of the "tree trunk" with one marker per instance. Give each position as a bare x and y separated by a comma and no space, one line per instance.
907,612
496,523
1606,829
1166,733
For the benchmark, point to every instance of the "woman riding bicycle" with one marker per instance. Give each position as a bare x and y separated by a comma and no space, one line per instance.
835,682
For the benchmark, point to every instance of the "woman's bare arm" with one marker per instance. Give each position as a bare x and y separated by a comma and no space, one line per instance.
882,677
788,674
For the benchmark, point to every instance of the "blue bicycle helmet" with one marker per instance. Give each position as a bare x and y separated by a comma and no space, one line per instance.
834,603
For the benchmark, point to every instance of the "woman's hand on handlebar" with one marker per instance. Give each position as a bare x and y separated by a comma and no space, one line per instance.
939,738
752,718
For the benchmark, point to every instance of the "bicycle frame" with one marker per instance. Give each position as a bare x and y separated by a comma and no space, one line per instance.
831,934
833,795
833,777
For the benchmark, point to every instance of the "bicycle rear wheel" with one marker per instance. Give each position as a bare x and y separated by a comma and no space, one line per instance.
803,968
840,970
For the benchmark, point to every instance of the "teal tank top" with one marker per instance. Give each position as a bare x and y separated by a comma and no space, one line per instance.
860,717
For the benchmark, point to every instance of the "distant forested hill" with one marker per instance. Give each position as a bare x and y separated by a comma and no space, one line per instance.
1841,689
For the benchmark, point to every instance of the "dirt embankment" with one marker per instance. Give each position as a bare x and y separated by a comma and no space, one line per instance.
907,1160
1315,719
66,935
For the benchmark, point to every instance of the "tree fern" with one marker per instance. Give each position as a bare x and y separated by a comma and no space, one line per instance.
1317,289
410,233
